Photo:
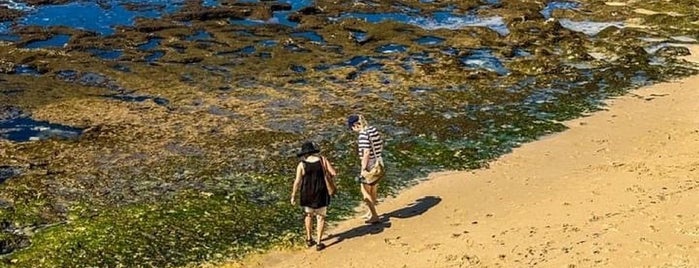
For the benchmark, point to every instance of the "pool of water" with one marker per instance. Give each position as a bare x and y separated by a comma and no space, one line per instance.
154,56
359,36
22,129
551,6
309,35
521,52
484,59
200,36
364,63
210,3
90,16
278,17
106,54
150,45
297,68
57,41
268,43
103,16
429,40
9,37
590,28
24,69
439,20
391,49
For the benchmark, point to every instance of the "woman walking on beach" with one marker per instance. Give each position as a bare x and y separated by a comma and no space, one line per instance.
370,145
314,177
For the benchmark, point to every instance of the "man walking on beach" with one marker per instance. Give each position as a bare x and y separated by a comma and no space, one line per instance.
370,145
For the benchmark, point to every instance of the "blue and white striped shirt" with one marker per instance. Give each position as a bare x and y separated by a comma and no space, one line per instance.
366,138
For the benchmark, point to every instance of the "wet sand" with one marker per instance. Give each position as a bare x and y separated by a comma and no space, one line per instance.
619,188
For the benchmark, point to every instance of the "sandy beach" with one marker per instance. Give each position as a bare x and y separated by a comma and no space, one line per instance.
619,188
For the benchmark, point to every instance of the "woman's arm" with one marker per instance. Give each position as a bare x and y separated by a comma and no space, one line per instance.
297,183
330,167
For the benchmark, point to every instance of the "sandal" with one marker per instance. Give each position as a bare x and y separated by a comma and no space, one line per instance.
310,243
320,246
373,221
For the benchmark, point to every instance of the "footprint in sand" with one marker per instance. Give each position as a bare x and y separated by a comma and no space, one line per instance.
432,246
395,242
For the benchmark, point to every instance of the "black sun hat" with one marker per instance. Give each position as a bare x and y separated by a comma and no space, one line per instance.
308,148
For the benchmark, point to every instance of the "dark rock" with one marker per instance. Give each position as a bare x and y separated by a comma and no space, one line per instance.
46,2
9,14
7,172
161,101
203,45
212,14
11,242
673,51
215,110
610,31
352,75
147,25
186,150
280,6
67,75
10,112
361,37
121,68
523,11
187,78
179,47
142,6
187,60
93,79
261,14
288,125
306,11
310,11
5,224
295,17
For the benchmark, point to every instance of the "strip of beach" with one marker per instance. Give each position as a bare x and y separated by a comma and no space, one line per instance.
619,188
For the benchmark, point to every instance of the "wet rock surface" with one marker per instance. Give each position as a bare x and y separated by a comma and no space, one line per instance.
7,14
198,113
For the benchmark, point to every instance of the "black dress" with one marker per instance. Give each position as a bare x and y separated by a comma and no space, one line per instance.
314,192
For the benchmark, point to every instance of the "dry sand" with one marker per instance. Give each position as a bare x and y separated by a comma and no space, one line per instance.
620,188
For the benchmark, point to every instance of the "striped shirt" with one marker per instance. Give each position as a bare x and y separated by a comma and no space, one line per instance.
366,138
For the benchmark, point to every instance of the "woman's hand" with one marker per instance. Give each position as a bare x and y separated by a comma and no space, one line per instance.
293,200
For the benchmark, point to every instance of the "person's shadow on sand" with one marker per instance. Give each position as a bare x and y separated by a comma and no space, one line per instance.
414,209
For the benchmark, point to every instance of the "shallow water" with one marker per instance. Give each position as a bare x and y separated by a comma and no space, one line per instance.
439,20
24,129
590,28
106,54
57,41
484,58
551,6
86,15
429,40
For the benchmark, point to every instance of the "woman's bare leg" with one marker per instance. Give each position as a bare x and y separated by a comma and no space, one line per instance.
308,220
320,226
